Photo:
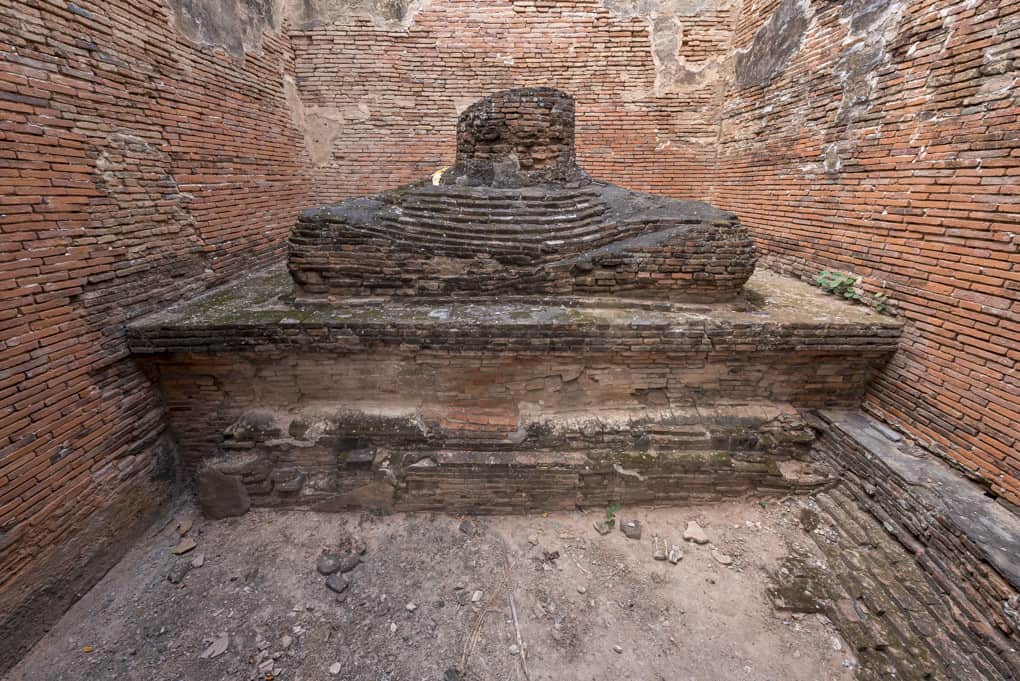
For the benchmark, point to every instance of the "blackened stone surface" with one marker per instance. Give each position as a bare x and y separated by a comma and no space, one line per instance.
515,215
774,44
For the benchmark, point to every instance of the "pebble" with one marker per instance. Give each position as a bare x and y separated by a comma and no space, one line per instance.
349,561
476,596
467,526
721,557
393,627
676,554
581,590
184,525
601,527
631,529
337,583
327,563
411,607
178,572
617,649
515,650
334,668
533,540
185,545
217,647
695,533
198,561
286,641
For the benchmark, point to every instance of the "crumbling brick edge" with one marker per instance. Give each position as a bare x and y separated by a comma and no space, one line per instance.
964,541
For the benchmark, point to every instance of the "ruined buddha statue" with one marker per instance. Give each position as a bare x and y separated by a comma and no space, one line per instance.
515,215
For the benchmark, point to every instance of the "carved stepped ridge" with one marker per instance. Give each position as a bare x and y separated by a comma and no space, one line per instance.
516,215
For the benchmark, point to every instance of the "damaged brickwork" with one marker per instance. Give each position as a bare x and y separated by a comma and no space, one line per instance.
152,148
136,157
886,145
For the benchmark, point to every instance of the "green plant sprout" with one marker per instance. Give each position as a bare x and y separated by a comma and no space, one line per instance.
611,512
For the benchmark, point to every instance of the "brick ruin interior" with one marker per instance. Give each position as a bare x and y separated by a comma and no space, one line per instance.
509,256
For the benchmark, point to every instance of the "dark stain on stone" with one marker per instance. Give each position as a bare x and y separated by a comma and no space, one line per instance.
774,44
233,25
863,13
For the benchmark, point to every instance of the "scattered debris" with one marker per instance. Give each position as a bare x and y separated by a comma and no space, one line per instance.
601,527
198,561
676,554
185,545
411,607
217,647
658,548
515,649
695,533
183,526
533,540
631,529
476,596
334,668
468,527
87,649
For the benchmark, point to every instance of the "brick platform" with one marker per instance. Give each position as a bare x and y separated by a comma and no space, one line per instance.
485,406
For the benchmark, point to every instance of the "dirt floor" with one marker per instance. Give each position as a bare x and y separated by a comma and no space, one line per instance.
435,596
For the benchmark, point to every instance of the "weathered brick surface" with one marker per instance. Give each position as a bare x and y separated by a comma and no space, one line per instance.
146,154
136,168
884,139
383,93
933,515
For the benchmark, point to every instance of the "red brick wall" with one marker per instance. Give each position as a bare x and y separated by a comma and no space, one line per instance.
399,91
136,168
140,165
902,169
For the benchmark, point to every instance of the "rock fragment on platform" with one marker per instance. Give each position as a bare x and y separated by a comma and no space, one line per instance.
217,647
185,545
327,563
337,583
631,529
695,533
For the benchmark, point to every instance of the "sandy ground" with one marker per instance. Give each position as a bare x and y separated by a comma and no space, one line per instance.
587,606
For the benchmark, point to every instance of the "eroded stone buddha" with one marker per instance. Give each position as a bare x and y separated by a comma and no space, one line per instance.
516,215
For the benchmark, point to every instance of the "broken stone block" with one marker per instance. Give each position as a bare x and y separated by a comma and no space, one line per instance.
631,529
695,533
337,583
658,548
220,495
